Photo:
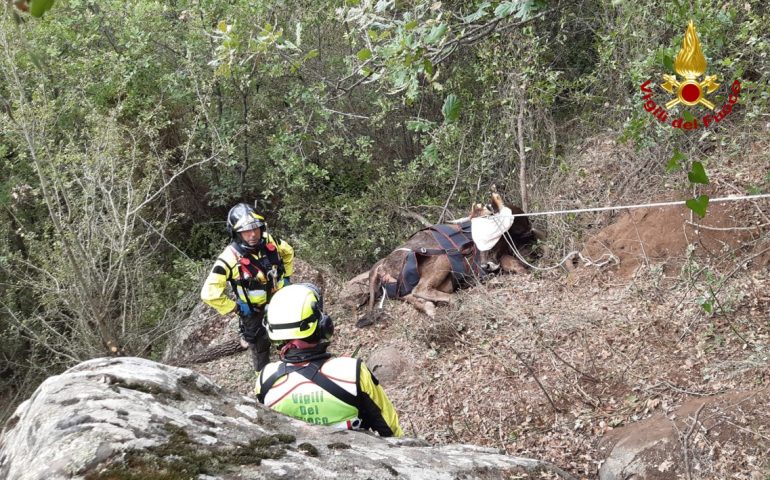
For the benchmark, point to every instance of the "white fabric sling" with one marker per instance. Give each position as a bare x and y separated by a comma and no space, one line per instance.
486,231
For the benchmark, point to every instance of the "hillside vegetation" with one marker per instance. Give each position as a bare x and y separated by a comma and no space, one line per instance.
127,130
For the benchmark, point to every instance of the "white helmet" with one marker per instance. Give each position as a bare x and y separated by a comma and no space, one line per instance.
296,312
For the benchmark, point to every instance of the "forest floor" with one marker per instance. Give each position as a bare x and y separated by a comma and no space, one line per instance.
555,365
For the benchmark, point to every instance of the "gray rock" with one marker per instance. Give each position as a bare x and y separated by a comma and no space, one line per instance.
387,363
113,416
689,441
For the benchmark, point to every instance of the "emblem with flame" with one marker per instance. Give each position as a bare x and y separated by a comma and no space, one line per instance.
690,64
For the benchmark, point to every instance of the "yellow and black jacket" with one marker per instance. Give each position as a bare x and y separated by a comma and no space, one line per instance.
340,392
252,276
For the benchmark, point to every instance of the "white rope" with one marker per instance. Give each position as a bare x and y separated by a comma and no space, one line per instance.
384,296
643,205
612,258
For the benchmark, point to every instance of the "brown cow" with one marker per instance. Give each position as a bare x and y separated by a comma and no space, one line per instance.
435,270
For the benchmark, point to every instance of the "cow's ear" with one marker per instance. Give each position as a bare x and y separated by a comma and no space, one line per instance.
477,210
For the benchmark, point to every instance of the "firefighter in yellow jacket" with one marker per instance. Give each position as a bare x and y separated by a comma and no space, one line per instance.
310,385
255,265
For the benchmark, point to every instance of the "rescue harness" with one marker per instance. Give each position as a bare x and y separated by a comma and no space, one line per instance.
253,269
457,244
312,371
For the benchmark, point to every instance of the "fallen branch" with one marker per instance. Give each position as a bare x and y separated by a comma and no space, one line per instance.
574,368
226,349
408,213
686,439
537,380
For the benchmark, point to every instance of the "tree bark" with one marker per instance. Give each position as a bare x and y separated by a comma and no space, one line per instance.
230,347
522,157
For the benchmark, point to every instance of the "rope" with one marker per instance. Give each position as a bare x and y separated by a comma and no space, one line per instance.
384,296
611,257
586,261
643,205
567,257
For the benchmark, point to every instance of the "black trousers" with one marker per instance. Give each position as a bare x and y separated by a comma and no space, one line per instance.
256,336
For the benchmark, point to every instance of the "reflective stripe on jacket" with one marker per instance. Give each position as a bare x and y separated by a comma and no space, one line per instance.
226,268
296,396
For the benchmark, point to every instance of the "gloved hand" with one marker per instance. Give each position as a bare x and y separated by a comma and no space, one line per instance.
286,281
243,308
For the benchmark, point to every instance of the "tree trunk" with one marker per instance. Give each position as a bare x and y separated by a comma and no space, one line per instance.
230,347
522,157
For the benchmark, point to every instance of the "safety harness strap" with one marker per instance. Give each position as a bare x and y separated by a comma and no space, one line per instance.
460,250
311,371
268,260
407,279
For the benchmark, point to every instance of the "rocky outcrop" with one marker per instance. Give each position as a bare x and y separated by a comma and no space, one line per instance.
355,293
131,418
703,438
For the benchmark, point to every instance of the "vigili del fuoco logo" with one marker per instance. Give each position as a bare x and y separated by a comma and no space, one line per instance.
690,90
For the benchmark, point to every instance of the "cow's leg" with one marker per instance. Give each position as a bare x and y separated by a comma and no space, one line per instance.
431,294
375,281
497,202
509,264
428,308
435,272
446,286
374,284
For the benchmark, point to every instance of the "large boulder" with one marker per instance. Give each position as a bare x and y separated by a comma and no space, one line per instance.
355,293
703,438
134,418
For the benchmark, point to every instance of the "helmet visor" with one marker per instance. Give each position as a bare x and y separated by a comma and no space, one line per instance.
248,222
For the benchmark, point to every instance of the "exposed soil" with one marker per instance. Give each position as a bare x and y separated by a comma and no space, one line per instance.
552,365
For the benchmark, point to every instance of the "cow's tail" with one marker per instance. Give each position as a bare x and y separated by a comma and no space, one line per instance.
375,284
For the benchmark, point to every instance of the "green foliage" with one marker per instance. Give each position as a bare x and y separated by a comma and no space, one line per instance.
706,303
451,109
505,9
405,43
676,162
698,205
697,174
36,8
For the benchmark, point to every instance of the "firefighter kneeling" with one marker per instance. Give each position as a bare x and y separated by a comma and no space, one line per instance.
310,385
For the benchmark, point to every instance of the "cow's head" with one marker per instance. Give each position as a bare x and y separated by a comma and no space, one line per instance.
520,232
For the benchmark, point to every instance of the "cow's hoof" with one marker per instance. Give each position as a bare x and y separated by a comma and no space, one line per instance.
430,309
365,321
490,267
370,318
497,201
